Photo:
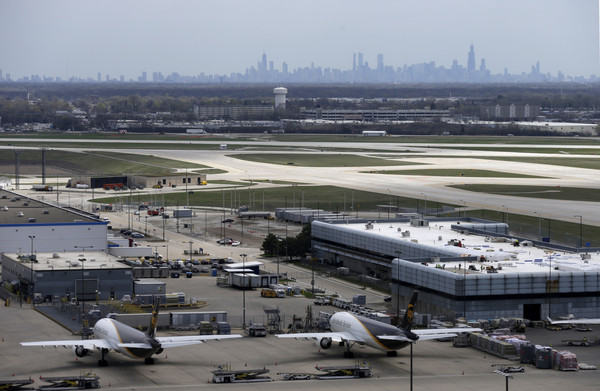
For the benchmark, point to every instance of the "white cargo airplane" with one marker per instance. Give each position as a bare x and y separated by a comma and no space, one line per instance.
575,321
110,334
349,329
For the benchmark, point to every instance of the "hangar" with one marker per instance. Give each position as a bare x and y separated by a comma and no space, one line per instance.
469,268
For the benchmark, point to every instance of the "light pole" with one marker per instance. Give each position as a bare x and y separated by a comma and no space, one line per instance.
464,208
243,291
156,252
580,230
82,260
190,242
31,258
550,288
146,226
398,252
506,375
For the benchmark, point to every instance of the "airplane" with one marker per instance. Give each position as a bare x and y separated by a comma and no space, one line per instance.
350,329
110,334
575,321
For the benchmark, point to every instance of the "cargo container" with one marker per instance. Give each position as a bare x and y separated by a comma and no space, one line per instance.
181,213
245,280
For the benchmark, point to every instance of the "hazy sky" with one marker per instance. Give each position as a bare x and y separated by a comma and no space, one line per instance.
126,37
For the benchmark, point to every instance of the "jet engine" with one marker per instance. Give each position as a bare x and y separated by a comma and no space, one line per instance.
159,351
325,343
80,351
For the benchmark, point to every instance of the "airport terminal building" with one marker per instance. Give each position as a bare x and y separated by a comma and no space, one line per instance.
468,268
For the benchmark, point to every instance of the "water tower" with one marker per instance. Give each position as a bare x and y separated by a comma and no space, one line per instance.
280,93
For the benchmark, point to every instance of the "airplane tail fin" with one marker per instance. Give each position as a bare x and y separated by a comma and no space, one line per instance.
153,319
410,313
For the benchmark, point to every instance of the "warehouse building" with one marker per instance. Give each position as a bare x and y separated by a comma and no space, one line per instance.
138,181
48,276
32,225
43,245
468,268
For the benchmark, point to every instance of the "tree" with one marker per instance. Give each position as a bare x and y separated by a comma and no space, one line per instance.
270,244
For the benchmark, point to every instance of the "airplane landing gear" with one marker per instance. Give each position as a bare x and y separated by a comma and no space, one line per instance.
102,362
347,352
392,353
149,361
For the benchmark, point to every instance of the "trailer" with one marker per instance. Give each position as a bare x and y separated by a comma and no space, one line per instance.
356,371
82,382
42,188
241,376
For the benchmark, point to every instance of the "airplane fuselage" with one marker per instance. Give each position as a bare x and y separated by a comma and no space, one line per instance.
116,333
367,330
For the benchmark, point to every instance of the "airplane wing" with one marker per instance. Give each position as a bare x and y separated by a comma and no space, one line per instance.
403,338
427,334
171,342
85,343
575,321
335,336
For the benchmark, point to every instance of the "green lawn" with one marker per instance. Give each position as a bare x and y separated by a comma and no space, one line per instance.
532,149
465,173
547,192
318,160
317,197
103,163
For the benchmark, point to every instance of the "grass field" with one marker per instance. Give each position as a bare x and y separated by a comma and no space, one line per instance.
318,160
532,149
407,139
451,172
537,227
316,197
99,162
546,192
579,162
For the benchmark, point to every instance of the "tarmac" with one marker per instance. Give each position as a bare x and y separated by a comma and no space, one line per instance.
436,365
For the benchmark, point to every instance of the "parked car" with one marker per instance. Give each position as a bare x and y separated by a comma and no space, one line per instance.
137,235
227,221
236,243
512,369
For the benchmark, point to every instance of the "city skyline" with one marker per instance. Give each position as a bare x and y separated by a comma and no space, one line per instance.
69,38
360,71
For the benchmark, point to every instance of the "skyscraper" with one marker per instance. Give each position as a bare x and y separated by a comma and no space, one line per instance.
380,62
471,60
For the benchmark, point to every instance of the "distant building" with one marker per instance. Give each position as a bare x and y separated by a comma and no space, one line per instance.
373,115
234,112
511,112
374,133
